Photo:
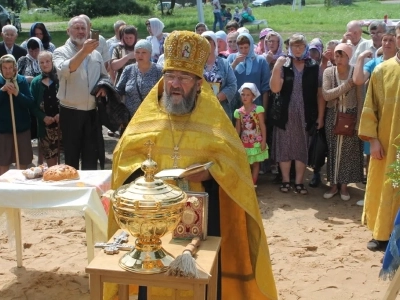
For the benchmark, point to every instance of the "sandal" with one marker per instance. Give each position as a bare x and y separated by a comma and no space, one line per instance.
285,187
300,189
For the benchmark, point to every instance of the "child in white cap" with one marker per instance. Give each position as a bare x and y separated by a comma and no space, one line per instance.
250,126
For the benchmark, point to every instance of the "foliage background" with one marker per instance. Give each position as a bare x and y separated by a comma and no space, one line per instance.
313,20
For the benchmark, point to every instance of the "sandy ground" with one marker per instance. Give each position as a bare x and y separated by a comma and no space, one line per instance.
318,250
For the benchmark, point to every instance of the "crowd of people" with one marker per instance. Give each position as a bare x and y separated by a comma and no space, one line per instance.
275,94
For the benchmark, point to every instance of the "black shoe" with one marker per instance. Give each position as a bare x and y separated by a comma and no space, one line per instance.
375,245
315,181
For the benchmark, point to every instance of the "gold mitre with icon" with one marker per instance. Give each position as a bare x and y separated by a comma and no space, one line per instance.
186,51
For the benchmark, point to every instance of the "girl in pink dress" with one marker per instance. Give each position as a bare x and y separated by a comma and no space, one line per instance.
250,126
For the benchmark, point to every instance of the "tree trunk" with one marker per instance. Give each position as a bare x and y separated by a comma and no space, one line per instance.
11,3
162,8
28,4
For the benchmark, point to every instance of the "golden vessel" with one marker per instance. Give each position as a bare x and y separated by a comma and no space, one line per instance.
148,208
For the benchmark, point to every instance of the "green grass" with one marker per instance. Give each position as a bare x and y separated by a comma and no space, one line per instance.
313,21
40,17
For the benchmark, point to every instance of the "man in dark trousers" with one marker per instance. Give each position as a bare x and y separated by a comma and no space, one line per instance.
9,34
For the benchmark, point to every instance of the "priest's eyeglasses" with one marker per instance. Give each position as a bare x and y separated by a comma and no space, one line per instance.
185,79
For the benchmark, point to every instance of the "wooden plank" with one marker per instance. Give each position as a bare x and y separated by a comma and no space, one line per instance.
18,234
123,292
394,287
89,238
213,285
96,287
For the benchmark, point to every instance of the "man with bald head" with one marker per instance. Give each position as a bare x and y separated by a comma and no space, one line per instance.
353,34
79,67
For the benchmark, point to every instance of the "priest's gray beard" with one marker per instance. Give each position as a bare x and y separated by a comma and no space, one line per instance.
183,107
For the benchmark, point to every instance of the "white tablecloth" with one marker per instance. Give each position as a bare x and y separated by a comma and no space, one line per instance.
82,194
17,192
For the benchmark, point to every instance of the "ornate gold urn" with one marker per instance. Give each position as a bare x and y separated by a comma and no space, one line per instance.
148,208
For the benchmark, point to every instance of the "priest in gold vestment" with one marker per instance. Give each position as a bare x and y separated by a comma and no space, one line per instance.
380,125
186,122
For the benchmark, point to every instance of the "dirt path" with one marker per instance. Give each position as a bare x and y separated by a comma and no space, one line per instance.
317,246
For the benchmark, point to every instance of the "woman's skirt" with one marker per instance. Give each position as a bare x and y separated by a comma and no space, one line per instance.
345,153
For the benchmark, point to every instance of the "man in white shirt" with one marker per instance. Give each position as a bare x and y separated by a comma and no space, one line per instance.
353,34
376,30
79,67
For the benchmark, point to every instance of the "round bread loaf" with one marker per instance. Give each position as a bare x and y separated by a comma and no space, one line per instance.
60,172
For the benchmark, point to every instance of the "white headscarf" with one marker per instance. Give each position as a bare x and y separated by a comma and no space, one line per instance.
212,35
35,64
9,57
156,27
252,87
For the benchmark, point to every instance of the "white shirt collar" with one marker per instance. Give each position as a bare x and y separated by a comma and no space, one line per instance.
9,51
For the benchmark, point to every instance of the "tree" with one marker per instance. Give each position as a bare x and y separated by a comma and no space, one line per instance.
95,8
11,4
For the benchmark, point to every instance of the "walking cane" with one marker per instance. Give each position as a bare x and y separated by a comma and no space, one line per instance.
14,131
58,144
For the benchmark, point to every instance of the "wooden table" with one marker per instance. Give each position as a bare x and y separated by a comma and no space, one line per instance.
105,268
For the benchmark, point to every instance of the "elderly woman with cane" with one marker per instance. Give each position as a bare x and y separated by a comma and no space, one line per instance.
15,102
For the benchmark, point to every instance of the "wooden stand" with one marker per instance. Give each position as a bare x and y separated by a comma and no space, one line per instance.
105,268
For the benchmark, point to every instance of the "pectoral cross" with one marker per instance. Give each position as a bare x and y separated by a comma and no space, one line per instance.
118,244
175,156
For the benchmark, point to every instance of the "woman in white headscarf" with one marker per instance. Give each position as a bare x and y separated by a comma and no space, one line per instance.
157,37
220,75
28,65
16,86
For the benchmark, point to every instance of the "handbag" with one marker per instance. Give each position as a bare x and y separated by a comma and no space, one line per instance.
345,123
318,149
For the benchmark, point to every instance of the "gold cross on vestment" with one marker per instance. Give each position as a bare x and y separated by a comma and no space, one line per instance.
175,156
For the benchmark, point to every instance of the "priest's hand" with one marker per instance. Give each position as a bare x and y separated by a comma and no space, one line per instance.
377,151
199,176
